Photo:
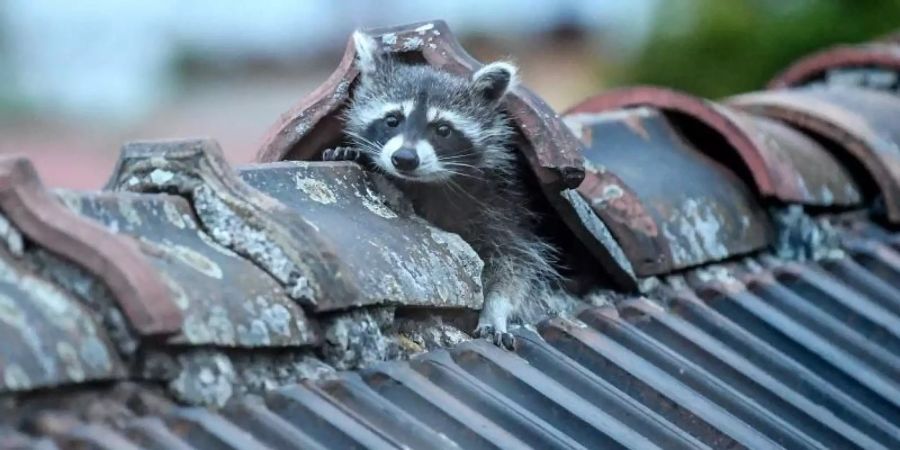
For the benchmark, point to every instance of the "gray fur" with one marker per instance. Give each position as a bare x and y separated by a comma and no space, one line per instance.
483,202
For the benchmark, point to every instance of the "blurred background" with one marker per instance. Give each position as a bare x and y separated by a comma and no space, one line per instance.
78,78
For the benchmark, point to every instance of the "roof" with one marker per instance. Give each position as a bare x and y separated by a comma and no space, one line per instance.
748,250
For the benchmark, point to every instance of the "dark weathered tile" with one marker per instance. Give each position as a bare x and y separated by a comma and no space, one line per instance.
635,157
326,231
49,337
225,300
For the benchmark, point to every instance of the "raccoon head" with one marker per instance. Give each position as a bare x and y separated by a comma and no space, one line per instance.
419,123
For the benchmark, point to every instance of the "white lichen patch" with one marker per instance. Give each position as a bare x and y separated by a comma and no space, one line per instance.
302,126
412,43
428,334
230,230
193,259
160,177
464,255
263,322
276,317
213,244
58,308
209,325
389,39
693,232
71,200
254,333
609,193
316,190
205,378
15,378
440,271
179,297
851,193
593,167
220,325
341,90
311,225
378,207
128,211
801,237
209,378
57,333
173,215
422,29
648,284
356,339
70,361
11,237
11,314
717,274
87,289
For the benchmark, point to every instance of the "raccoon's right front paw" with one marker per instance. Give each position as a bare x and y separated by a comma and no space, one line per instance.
502,339
342,154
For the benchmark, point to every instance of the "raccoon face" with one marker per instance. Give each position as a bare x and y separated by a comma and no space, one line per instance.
421,124
416,141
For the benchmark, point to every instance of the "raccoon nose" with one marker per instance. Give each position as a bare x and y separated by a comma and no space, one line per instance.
405,159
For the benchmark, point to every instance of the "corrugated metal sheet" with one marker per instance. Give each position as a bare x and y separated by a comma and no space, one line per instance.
791,356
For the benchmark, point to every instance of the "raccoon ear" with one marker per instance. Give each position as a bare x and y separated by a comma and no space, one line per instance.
368,56
494,80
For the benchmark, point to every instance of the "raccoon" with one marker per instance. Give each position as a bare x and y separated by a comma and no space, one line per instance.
448,144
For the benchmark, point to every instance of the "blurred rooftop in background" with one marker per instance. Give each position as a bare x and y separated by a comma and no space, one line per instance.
77,79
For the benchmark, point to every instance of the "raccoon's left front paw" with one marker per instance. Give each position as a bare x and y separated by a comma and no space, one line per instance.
502,339
342,154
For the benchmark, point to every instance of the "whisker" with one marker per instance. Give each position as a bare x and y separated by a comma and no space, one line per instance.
463,165
373,147
464,169
453,185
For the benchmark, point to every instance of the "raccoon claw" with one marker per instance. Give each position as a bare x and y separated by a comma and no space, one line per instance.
502,339
342,154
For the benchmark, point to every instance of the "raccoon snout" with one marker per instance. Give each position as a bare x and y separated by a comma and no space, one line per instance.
405,159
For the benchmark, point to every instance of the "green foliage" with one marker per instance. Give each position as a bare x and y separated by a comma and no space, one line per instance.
715,48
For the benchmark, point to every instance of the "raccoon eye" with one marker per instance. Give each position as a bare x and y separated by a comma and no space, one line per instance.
443,131
392,120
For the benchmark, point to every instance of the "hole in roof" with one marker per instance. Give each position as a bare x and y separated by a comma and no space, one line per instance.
713,144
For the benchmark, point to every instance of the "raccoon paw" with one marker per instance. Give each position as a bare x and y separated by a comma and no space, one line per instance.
342,154
502,339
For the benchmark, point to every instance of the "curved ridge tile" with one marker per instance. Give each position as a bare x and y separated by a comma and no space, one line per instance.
833,63
863,124
634,158
137,288
781,162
